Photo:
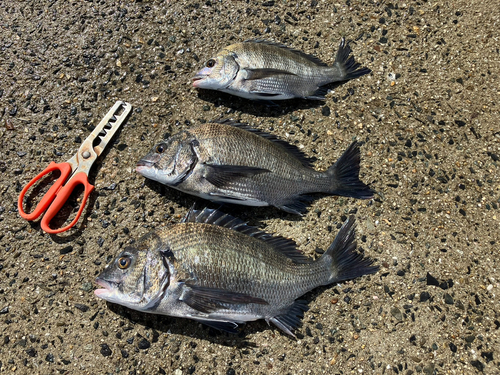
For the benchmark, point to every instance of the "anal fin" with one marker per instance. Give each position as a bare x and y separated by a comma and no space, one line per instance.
297,206
319,94
291,319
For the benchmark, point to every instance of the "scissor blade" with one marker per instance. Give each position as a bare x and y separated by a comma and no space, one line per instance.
108,126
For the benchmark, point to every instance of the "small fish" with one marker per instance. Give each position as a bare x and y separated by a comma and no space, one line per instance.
217,270
262,70
233,163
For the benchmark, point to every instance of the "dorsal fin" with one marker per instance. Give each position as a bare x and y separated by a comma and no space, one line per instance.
311,58
294,150
212,216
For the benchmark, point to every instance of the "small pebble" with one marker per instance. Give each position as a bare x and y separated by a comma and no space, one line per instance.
144,344
8,124
86,287
81,307
396,313
478,365
100,241
66,250
448,299
105,350
469,338
431,280
424,296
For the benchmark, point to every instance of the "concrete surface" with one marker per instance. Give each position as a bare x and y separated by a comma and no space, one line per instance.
428,117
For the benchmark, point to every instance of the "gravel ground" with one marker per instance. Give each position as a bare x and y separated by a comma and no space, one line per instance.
428,120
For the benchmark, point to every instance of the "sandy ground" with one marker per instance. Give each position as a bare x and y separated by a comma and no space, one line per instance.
428,120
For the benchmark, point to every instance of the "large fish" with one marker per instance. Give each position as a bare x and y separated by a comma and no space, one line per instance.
233,163
215,269
263,70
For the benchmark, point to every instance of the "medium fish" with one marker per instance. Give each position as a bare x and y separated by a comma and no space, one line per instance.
233,163
217,270
258,69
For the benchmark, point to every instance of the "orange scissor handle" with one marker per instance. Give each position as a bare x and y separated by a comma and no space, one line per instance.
65,169
62,196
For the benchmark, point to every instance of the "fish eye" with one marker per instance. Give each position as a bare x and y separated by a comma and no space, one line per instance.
124,262
210,63
160,148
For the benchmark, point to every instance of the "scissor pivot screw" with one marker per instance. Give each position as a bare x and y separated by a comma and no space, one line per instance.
86,155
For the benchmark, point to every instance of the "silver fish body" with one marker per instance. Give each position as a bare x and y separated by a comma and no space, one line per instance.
263,70
233,163
217,270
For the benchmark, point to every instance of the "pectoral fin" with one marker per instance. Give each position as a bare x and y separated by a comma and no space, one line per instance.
222,175
207,300
253,74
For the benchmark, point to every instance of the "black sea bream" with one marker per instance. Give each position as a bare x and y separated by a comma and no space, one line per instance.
233,163
215,269
263,70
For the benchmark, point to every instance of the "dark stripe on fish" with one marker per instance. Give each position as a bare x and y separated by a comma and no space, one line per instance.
183,177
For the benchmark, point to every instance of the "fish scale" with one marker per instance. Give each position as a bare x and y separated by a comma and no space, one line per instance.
250,260
262,54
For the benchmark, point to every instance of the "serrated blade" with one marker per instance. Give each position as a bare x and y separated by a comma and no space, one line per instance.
108,126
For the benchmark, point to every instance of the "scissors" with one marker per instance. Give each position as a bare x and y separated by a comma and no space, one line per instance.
75,171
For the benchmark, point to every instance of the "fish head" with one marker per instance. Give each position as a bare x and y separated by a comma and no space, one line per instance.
137,278
170,161
219,72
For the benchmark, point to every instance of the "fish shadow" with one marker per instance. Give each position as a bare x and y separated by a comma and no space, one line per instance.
261,108
252,215
170,194
192,329
189,328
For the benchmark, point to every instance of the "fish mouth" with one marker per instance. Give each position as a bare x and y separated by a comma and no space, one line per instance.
107,288
197,78
144,165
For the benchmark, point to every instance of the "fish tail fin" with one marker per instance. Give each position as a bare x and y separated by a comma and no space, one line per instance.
345,175
347,64
345,262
